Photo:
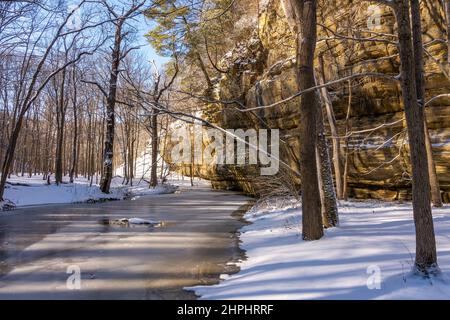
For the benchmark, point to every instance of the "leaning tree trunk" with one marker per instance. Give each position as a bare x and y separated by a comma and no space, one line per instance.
426,258
327,193
108,153
436,197
420,84
346,141
203,69
334,132
305,12
9,155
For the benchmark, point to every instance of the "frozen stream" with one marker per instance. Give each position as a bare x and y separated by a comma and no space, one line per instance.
40,245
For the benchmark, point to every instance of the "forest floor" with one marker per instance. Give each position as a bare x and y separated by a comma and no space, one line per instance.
26,191
368,257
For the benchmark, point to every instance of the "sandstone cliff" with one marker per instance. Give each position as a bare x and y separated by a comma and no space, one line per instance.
261,71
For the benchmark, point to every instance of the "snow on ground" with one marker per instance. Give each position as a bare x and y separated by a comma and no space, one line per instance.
368,257
25,191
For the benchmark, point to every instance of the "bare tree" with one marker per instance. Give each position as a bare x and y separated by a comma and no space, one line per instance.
426,258
302,15
158,91
118,53
161,83
73,167
61,108
34,80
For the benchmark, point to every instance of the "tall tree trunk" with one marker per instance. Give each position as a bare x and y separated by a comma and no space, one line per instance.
426,258
60,120
25,148
89,148
164,147
107,171
92,161
420,85
305,13
192,156
153,175
136,150
101,141
131,152
75,130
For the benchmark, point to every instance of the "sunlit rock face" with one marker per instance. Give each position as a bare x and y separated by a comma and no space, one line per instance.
262,71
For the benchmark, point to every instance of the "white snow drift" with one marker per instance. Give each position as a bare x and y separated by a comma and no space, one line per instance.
368,257
24,191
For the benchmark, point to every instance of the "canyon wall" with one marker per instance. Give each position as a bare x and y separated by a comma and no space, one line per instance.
261,71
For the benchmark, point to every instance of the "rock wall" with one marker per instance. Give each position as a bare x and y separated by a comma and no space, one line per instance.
262,71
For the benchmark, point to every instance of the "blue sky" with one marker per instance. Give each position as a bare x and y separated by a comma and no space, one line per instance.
144,26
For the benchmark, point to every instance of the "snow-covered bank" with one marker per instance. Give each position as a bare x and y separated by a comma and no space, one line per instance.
375,242
25,191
